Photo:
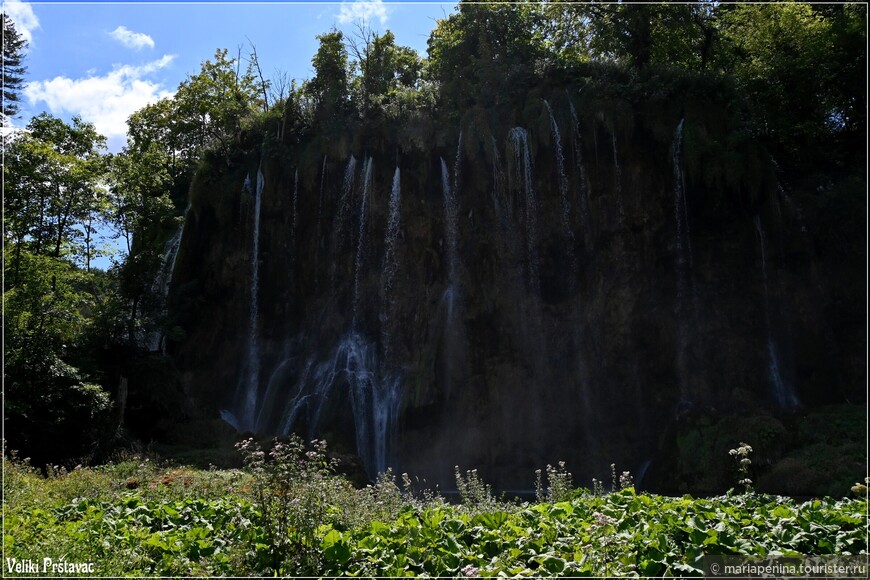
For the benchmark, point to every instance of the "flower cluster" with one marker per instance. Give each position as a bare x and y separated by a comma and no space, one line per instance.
741,455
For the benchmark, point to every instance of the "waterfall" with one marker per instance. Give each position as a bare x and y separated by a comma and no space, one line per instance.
783,394
160,287
681,212
374,399
451,219
563,198
583,185
361,240
343,211
453,338
342,215
390,262
250,387
523,173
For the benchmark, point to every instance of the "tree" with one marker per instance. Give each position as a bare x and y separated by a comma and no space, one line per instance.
53,188
636,35
54,410
53,172
141,211
14,47
329,88
798,65
385,68
486,53
210,106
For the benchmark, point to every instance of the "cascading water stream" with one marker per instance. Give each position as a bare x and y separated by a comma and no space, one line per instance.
681,211
390,262
246,395
253,347
783,394
160,287
374,395
523,173
451,223
342,215
563,198
361,239
582,178
448,307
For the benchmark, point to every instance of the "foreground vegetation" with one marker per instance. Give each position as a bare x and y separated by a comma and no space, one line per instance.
287,513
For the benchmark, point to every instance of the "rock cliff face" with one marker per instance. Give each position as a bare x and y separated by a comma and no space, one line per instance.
568,279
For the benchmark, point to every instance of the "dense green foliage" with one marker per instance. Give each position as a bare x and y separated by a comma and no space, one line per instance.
613,535
287,514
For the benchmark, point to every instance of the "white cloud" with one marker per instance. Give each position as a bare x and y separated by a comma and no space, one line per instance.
130,39
362,10
106,101
22,15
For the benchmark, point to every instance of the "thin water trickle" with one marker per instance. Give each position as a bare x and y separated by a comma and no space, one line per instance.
451,223
343,211
783,394
342,216
523,179
254,351
681,210
582,178
250,386
390,262
563,198
162,282
361,239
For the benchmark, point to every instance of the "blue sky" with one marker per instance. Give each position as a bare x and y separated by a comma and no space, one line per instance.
104,60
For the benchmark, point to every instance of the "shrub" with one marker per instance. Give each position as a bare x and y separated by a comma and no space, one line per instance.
293,487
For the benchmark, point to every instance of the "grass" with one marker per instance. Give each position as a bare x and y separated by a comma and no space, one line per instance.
286,514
